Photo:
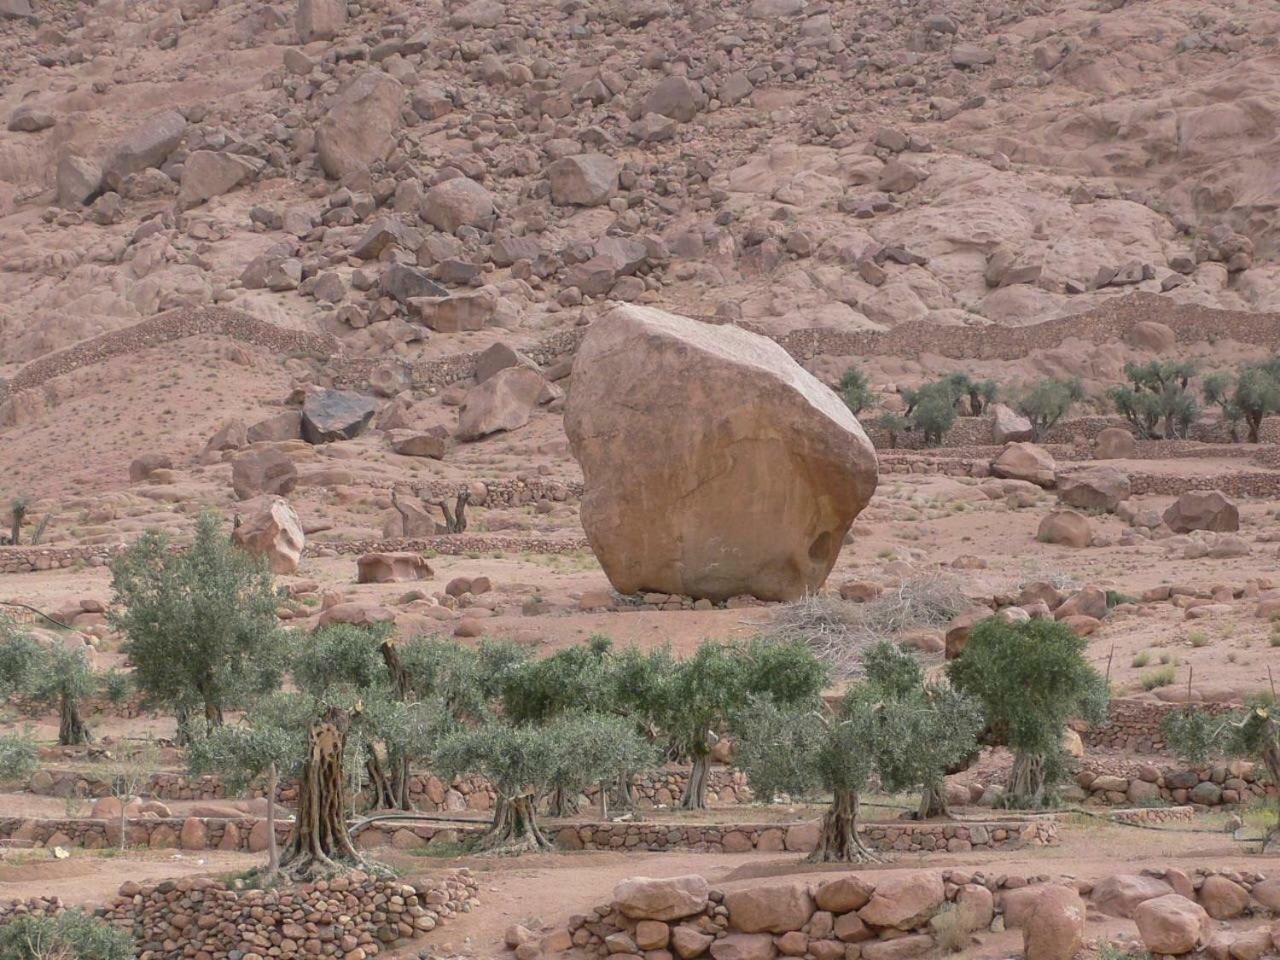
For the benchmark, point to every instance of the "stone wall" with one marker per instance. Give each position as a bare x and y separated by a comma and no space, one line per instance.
1221,785
244,834
1135,725
899,837
354,916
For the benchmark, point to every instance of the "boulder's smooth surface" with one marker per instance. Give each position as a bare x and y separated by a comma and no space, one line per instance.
361,125
1171,924
1055,927
669,898
397,567
503,402
332,415
1025,461
1202,510
714,464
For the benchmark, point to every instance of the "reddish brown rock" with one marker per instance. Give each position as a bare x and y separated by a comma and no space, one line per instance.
392,568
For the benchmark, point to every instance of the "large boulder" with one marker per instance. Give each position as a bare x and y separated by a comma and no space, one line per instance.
1054,929
392,567
1202,510
1120,895
1115,443
724,468
1223,898
361,125
771,907
262,471
77,180
144,146
1171,924
270,528
207,174
1098,488
1025,461
320,19
331,415
676,97
670,898
1009,426
503,402
904,902
1066,528
455,203
585,180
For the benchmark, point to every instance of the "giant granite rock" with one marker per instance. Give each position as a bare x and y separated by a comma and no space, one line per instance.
1202,510
714,464
271,529
146,145
504,401
329,415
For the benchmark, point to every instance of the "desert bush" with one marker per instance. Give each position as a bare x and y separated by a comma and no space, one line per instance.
70,935
55,674
856,391
894,424
1157,395
1159,678
1048,401
933,416
1250,397
19,757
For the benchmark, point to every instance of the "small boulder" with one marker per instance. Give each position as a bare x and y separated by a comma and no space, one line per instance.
333,415
1009,426
585,180
207,174
904,902
320,19
1054,929
271,529
1170,924
362,124
771,907
1120,895
1115,443
1202,510
399,567
503,402
1025,461
144,146
262,471
1099,488
1223,899
457,202
1066,528
669,898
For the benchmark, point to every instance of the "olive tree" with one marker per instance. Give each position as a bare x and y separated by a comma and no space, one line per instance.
855,390
54,674
1251,397
930,728
1031,679
709,688
1157,395
199,622
19,757
525,763
1253,733
1048,401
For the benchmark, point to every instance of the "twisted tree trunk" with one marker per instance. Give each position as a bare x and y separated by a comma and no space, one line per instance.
933,801
396,795
839,841
695,791
320,838
515,827
72,730
1026,783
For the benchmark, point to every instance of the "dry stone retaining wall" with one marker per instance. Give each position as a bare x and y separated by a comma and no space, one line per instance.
1135,725
245,834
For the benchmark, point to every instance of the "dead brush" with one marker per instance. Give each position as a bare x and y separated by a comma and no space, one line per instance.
838,630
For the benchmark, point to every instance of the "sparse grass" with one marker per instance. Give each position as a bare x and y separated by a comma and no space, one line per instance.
1198,638
1142,659
1109,951
839,630
950,929
1158,678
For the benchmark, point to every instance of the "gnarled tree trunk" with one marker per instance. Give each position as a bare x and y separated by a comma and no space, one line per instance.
71,727
839,841
515,827
320,839
396,794
695,791
933,801
1026,783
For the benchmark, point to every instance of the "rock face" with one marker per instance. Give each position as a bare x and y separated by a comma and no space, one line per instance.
271,529
361,124
1171,924
1202,510
503,402
331,415
1115,443
1025,461
392,568
1054,930
723,468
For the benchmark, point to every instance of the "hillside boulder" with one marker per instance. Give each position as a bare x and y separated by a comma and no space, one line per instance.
1054,929
207,174
585,180
1025,461
270,528
1099,488
670,898
505,401
332,415
1115,443
1202,510
265,471
1066,528
723,469
1009,426
1171,924
361,125
397,567
455,203
319,19
144,146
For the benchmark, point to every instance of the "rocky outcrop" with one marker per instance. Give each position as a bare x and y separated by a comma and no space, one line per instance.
721,468
333,415
504,401
1202,510
361,125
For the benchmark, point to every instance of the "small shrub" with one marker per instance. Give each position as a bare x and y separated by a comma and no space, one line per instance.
1198,638
950,929
18,758
1142,659
1115,598
1158,678
72,935
855,391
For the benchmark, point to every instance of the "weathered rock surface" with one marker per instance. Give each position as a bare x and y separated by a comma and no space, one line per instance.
146,145
1171,924
361,124
332,415
1025,461
1202,510
505,401
397,567
1054,930
670,898
270,528
256,472
1098,488
694,486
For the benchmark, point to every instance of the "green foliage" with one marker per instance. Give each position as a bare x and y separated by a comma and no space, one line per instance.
1047,402
1157,393
70,935
465,680
1159,678
53,674
274,732
1031,679
341,655
1252,396
894,424
19,757
572,679
200,622
933,416
855,390
568,753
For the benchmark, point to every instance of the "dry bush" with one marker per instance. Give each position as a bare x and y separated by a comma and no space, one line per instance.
950,927
837,630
